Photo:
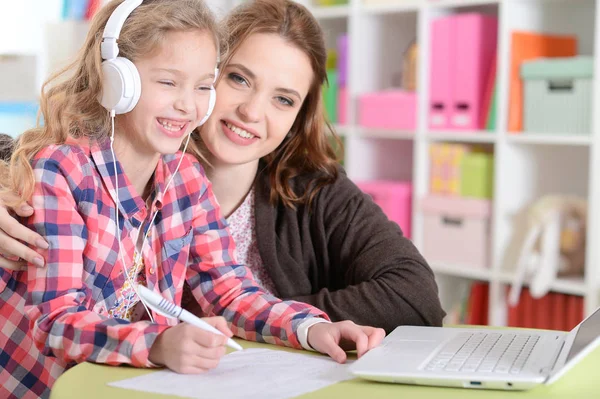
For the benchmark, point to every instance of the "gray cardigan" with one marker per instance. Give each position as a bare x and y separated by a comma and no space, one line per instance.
345,257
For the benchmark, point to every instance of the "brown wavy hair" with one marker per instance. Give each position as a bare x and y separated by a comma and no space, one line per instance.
307,149
69,101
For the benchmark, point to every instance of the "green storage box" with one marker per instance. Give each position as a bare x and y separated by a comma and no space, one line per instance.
558,95
330,96
330,2
339,151
477,175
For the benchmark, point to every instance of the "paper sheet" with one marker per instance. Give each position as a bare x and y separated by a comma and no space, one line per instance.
249,374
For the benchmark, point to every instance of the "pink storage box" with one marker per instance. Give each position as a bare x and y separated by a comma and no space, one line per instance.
456,231
390,109
394,199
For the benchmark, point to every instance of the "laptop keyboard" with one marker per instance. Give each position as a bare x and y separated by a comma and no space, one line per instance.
484,352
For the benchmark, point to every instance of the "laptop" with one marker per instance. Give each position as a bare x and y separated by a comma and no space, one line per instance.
490,358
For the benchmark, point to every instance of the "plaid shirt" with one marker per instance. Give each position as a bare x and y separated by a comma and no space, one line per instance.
67,301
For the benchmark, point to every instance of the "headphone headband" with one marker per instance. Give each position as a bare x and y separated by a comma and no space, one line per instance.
109,48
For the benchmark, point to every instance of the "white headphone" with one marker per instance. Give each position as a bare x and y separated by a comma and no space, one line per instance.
121,84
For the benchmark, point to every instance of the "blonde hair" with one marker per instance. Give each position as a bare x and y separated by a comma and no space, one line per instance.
69,101
307,149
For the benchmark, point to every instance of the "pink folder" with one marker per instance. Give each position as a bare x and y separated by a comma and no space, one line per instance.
475,40
441,71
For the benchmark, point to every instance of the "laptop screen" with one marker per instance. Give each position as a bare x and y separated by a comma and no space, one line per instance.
588,331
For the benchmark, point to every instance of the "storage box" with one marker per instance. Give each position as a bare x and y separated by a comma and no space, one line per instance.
456,231
477,175
330,96
394,199
558,95
445,168
389,109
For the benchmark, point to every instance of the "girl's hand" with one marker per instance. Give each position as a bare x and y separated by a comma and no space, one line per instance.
15,255
187,349
336,338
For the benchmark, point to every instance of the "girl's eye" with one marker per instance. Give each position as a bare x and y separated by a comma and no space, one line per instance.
237,79
204,88
285,101
166,82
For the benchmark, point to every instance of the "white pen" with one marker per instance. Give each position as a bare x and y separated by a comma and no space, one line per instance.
169,309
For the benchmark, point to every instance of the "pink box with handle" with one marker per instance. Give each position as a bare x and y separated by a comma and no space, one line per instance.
456,231
394,199
389,109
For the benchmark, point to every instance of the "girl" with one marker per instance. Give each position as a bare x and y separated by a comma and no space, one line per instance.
306,231
120,206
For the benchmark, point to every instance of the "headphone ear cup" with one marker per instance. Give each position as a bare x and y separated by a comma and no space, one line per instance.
121,85
211,106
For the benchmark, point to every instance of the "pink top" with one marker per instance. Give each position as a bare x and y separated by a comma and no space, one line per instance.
241,224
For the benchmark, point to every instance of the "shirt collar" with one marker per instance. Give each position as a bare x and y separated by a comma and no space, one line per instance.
130,202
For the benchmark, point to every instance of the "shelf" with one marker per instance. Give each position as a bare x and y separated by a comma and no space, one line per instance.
474,136
331,12
549,139
383,133
459,3
380,9
570,285
563,285
462,271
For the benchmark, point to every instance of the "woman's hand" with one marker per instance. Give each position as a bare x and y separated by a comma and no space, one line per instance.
15,254
187,349
336,338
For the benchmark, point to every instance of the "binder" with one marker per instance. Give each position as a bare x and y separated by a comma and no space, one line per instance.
441,72
475,41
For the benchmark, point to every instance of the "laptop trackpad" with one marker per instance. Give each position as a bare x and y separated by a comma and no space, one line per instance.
411,347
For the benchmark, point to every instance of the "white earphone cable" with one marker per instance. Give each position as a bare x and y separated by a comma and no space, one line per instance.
118,229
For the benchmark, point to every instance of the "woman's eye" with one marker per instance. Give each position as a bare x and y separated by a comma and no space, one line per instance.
166,82
204,88
285,101
237,79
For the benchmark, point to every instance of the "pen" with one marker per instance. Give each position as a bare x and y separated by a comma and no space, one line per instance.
169,309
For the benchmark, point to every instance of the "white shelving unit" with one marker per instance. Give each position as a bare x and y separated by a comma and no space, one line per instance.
527,167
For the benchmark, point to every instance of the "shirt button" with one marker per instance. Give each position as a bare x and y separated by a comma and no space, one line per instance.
151,270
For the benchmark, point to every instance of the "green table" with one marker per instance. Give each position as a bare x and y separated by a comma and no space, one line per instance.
89,381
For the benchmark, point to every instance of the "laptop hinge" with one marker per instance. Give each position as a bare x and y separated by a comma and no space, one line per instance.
548,369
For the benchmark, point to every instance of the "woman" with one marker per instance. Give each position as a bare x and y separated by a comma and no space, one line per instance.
304,229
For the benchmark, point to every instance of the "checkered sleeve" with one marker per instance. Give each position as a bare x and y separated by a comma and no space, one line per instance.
58,300
223,287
